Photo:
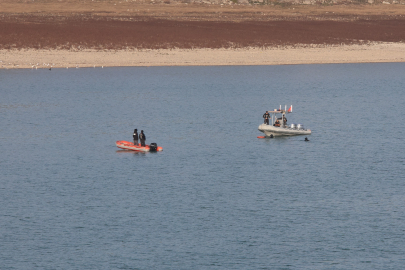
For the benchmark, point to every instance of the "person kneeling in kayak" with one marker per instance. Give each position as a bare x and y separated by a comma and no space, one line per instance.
142,137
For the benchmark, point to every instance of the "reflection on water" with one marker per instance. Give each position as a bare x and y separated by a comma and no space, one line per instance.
133,152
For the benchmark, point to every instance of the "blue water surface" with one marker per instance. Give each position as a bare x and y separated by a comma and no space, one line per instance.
216,197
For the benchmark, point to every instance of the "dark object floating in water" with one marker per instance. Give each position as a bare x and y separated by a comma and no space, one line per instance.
263,137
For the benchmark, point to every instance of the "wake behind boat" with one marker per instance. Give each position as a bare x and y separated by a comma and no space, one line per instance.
276,124
131,146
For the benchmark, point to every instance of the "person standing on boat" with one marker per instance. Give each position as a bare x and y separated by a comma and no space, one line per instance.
135,136
142,137
284,120
266,117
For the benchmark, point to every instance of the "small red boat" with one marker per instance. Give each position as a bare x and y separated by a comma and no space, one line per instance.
131,146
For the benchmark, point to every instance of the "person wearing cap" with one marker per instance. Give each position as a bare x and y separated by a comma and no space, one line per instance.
135,136
142,137
266,117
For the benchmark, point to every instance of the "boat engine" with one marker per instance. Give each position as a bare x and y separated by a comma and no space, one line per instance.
153,147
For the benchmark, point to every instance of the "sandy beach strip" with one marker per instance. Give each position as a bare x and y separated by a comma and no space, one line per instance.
373,53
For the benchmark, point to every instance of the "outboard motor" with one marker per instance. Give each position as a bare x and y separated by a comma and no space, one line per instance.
153,147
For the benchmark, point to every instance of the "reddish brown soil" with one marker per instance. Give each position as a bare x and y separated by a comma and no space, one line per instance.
102,33
174,27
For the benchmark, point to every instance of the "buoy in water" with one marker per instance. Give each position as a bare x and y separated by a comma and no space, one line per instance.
261,137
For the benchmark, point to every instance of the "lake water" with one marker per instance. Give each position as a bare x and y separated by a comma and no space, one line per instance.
216,197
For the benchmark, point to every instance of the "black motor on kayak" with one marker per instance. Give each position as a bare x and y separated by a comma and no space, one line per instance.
153,147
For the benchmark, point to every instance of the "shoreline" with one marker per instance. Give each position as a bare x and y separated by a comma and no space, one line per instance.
370,53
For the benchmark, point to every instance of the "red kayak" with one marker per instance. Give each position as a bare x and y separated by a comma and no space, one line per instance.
130,146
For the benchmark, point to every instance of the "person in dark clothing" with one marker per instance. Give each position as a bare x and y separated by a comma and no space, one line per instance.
284,120
306,139
142,137
135,136
266,117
